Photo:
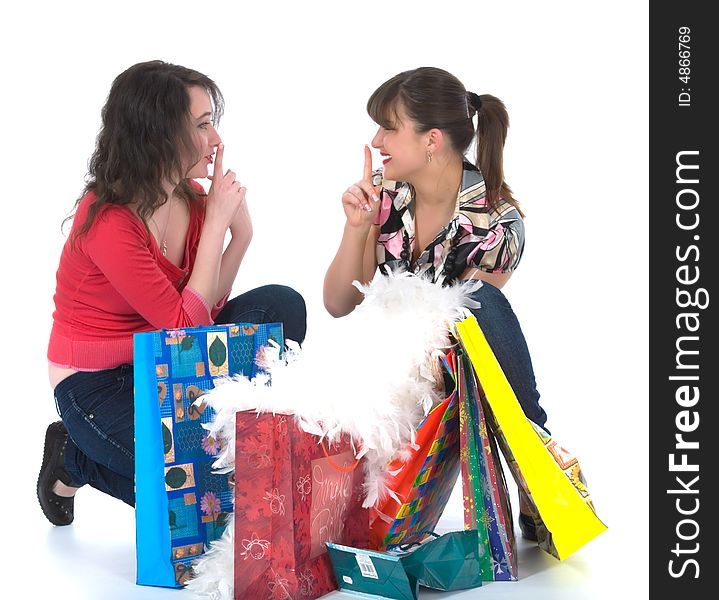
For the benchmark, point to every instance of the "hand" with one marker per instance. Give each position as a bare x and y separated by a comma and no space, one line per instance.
241,225
226,195
361,200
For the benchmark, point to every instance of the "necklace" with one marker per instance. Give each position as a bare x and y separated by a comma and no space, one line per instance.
163,238
451,232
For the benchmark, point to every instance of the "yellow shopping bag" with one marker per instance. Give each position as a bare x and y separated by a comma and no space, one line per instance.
551,477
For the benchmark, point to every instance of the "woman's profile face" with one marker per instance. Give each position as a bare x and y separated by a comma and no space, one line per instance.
203,132
403,150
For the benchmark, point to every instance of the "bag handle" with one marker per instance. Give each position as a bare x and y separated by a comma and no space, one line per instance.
333,464
449,361
405,546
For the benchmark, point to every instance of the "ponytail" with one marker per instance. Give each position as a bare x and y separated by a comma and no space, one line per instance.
492,125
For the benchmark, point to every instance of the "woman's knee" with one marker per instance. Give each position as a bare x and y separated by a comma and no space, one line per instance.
292,307
287,296
274,302
493,304
489,292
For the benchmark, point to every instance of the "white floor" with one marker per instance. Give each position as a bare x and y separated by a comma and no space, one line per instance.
94,557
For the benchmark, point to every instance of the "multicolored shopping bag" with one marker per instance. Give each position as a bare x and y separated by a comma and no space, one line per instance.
422,484
180,504
486,500
453,434
563,510
292,495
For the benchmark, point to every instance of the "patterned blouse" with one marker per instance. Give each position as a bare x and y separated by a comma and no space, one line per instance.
490,239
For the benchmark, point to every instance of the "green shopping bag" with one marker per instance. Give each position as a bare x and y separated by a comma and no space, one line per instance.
442,562
445,562
379,574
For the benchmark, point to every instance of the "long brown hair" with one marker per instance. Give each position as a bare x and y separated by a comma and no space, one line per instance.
434,98
144,136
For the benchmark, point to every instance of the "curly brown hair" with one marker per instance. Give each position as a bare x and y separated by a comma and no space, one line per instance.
144,135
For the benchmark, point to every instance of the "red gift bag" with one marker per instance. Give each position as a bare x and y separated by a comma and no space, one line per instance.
292,494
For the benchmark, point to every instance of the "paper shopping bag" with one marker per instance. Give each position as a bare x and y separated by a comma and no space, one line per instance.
421,485
487,508
447,562
565,461
371,573
292,495
180,504
549,476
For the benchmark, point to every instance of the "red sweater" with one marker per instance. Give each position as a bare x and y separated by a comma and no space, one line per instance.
115,283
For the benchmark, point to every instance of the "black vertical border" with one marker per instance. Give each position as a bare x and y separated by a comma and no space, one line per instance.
672,129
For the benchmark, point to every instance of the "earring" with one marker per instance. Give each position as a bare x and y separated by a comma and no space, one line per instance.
429,157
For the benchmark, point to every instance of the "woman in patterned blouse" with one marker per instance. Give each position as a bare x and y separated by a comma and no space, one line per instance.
432,212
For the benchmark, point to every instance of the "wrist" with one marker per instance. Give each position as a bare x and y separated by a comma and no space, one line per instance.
360,231
214,229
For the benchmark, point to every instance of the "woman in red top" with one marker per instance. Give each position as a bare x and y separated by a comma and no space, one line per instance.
146,251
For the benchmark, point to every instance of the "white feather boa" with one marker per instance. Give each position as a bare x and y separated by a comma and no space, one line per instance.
374,377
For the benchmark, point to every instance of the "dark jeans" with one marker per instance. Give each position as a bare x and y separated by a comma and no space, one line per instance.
97,407
504,335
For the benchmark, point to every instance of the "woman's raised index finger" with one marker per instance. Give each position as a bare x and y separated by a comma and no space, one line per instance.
367,163
218,160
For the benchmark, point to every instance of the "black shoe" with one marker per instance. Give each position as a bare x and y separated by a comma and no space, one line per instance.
528,528
59,510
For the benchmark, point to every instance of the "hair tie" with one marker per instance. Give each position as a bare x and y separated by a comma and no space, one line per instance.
474,101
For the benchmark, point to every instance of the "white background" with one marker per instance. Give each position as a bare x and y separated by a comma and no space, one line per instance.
296,77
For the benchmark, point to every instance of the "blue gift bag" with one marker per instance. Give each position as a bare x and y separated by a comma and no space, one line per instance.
180,504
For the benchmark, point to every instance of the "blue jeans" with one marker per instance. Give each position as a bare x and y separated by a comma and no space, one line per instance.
98,407
504,335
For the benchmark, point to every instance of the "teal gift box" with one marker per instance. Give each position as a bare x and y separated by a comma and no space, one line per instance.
371,574
447,562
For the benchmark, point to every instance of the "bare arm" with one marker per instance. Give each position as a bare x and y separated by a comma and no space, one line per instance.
241,230
355,258
226,196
